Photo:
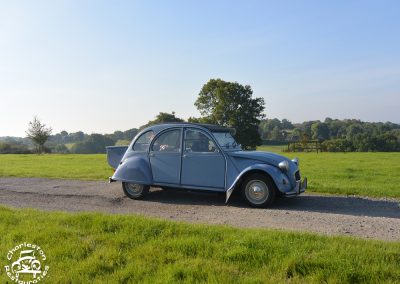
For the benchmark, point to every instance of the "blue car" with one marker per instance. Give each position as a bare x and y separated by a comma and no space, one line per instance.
202,157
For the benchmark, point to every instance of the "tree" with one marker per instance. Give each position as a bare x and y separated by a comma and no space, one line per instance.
276,134
38,133
320,130
231,104
163,117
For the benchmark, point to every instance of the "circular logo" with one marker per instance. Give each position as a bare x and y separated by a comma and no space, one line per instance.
27,264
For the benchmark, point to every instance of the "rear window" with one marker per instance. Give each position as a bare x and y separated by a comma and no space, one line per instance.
143,142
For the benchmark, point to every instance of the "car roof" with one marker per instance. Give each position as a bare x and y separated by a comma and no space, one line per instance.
210,127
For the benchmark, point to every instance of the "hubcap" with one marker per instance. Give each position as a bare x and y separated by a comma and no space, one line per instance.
134,188
257,192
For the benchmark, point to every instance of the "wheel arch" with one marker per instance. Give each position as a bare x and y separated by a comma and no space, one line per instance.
242,178
263,169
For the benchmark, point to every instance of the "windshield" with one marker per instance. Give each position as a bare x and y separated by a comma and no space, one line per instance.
225,139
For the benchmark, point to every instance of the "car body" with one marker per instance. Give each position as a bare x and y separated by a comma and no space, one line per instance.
202,157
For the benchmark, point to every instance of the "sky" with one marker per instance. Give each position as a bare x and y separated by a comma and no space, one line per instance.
101,66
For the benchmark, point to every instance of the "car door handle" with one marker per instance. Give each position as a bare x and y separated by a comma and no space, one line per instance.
151,154
184,155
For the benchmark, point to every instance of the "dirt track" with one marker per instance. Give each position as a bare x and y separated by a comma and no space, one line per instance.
332,215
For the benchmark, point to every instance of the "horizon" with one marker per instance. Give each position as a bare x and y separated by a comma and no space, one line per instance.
185,121
97,67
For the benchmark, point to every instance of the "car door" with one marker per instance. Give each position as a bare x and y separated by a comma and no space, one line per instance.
203,165
165,157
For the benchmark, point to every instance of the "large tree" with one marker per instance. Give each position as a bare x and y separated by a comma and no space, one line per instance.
231,104
38,133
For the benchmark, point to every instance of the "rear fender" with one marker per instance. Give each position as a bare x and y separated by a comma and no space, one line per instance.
115,154
276,174
135,169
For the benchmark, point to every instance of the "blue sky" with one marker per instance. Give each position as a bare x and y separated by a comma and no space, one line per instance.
99,66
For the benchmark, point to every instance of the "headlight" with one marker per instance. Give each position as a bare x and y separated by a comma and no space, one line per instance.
284,166
296,161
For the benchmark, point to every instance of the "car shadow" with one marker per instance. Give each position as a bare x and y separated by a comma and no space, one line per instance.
313,203
355,206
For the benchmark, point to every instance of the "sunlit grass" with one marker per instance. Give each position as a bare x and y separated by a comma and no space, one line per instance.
68,166
87,248
367,174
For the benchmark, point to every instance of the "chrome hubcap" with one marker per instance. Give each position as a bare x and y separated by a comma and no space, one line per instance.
134,188
257,191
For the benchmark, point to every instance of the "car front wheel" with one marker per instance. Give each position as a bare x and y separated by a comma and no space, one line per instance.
135,190
258,190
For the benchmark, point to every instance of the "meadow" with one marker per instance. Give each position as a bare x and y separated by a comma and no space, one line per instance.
364,174
93,247
374,174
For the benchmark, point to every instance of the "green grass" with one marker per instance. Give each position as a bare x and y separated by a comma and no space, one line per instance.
373,174
90,247
364,174
68,166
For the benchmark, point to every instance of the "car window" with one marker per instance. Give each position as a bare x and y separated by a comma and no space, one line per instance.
169,141
143,142
225,139
197,141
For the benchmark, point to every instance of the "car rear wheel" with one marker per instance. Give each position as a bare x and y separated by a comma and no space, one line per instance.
135,190
259,190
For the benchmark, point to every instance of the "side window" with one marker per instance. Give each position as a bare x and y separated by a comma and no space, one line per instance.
143,142
197,141
169,141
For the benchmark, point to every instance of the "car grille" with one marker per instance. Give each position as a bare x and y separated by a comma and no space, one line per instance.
297,175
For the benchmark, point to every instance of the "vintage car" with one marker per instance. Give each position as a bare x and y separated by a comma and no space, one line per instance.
202,157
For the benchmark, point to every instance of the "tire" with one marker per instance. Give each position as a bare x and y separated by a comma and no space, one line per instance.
134,190
259,190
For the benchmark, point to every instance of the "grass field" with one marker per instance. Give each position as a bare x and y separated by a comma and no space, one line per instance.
364,174
68,166
83,248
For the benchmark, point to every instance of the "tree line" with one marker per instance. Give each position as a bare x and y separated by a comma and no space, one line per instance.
335,135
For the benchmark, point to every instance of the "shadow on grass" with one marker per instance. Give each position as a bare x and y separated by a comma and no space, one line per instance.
324,204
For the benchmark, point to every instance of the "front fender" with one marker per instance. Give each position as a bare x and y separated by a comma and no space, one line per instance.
135,169
276,174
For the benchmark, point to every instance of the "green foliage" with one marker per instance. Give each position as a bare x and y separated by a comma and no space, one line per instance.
96,143
122,142
38,133
6,148
274,129
99,248
61,148
337,145
231,104
320,131
163,117
338,135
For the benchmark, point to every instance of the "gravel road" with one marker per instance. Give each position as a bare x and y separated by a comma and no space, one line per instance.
331,215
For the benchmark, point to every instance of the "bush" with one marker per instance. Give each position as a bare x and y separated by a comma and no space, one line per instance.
337,145
61,148
95,144
6,148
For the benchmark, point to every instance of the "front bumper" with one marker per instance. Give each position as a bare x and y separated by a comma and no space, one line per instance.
300,187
